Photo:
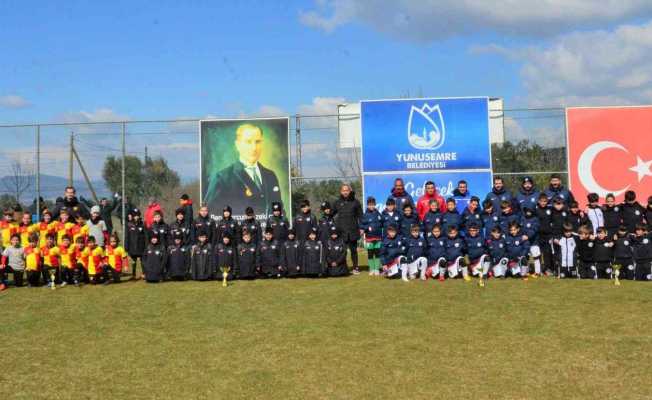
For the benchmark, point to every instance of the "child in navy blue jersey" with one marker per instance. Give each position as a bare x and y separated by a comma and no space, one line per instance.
390,215
603,254
414,262
432,217
476,251
408,220
530,228
517,249
507,216
436,253
471,214
623,253
455,251
451,217
371,228
489,217
642,249
391,252
497,252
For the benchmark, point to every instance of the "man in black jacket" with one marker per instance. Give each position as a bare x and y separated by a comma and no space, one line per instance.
70,202
347,211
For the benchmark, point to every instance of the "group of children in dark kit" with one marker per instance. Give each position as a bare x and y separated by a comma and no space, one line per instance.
532,234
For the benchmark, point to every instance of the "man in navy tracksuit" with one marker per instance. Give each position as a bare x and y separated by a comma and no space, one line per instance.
527,195
390,252
499,194
556,189
399,195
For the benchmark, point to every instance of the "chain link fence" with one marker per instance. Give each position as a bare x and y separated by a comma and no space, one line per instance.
142,159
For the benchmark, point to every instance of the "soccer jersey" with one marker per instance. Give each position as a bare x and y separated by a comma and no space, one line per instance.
95,259
25,231
79,231
32,258
63,228
50,256
67,256
43,229
115,257
7,229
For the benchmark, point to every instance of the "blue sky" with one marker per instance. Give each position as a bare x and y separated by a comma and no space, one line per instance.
77,61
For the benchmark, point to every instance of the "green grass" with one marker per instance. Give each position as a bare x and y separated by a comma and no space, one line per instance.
357,337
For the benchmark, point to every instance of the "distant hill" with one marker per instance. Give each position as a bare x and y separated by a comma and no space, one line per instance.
53,186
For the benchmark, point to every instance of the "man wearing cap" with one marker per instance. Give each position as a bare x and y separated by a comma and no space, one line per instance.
499,194
430,193
556,189
527,195
347,212
251,225
246,180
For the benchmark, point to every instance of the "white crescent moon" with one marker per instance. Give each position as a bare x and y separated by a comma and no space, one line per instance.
585,164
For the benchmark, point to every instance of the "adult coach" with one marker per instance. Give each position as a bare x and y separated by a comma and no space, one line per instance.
246,181
423,204
400,196
347,212
557,190
499,194
462,196
70,202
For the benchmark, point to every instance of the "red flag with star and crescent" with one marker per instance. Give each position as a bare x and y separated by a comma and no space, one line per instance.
610,151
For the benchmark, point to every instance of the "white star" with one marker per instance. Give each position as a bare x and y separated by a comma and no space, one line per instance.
642,168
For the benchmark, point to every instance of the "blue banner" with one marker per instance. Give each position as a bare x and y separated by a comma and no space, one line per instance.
379,186
425,134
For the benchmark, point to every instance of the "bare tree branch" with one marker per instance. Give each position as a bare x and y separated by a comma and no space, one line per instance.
19,179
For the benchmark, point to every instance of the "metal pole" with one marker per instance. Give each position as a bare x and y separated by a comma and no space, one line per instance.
71,161
123,201
38,173
86,178
298,144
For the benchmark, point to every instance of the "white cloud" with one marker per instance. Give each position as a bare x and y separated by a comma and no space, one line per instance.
103,114
430,20
602,67
14,101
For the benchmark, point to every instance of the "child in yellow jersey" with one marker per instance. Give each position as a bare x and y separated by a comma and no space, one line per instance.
81,261
25,228
80,229
32,261
64,225
69,271
50,254
116,258
44,227
8,227
95,256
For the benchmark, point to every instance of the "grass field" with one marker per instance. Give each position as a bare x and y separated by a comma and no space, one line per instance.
357,337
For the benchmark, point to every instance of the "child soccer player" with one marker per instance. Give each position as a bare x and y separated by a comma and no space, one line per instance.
391,253
603,254
69,273
594,213
180,227
81,260
178,257
135,241
436,253
530,229
507,216
304,222
50,253
44,227
154,260
489,217
335,256
226,257
312,255
201,262
64,225
390,215
498,253
408,220
517,250
80,229
7,227
576,217
325,223
472,213
13,262
278,223
632,212
623,253
415,260
567,245
476,252
451,217
547,245
95,256
160,229
585,247
291,255
252,225
648,211
432,217
269,256
97,227
25,228
612,213
246,257
642,249
32,261
226,226
455,251
371,229
116,258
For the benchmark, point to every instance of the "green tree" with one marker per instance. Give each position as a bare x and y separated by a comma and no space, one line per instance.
134,177
158,177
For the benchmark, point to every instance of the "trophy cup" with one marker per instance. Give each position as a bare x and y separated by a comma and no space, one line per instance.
52,278
616,274
225,273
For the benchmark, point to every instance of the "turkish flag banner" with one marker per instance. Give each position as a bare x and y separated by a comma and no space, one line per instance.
609,151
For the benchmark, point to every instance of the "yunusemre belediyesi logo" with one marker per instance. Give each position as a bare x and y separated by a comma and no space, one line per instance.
426,129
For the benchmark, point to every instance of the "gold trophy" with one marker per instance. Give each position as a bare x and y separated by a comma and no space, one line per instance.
52,278
225,274
616,274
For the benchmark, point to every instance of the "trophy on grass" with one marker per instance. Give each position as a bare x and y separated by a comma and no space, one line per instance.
225,274
616,274
53,273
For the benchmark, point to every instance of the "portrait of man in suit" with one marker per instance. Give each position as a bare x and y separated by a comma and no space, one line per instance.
246,181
